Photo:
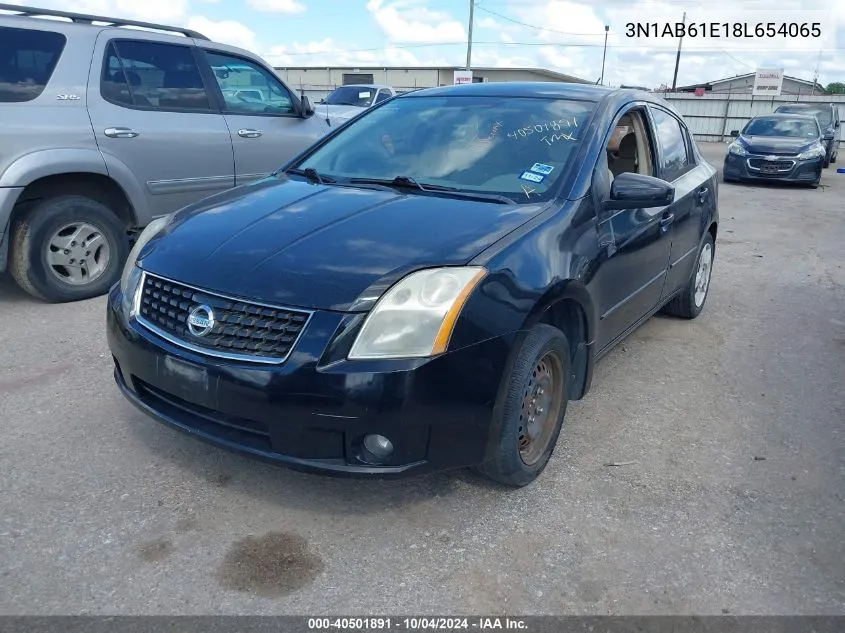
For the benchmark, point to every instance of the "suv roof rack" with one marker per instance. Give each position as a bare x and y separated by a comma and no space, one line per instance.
90,19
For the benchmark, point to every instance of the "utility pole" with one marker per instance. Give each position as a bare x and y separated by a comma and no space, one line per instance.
469,36
678,58
604,54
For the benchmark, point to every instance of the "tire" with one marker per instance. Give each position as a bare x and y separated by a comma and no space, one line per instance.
684,304
514,462
33,253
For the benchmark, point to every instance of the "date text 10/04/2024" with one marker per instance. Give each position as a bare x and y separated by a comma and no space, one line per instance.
417,624
723,29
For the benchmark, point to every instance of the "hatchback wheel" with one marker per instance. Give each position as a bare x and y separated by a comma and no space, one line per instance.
531,407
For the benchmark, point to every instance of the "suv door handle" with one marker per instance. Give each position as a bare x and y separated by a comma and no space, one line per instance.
120,132
702,195
249,133
666,221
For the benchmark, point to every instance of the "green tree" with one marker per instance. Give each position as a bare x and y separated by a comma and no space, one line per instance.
837,88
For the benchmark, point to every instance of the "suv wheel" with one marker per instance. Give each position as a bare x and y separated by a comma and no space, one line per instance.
533,403
67,248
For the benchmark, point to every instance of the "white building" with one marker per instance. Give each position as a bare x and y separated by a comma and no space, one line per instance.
316,82
742,84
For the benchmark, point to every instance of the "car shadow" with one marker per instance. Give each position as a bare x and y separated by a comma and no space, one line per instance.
11,292
284,487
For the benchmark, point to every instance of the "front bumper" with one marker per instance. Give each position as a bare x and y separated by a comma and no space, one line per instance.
801,171
437,413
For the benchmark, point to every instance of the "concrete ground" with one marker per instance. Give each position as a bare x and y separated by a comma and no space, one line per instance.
732,499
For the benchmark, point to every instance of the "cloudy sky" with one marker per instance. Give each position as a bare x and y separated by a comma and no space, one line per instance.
562,35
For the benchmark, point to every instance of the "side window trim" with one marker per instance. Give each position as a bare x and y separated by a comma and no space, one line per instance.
113,42
208,76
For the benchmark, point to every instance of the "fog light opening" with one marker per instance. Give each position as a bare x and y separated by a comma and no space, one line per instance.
377,448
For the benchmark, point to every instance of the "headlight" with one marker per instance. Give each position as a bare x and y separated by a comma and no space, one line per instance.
131,273
415,318
813,152
737,149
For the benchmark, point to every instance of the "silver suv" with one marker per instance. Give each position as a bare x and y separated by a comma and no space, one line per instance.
104,128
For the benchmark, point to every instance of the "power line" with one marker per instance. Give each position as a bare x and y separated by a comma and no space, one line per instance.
531,26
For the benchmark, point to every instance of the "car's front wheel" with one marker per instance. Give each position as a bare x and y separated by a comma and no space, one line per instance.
67,248
531,407
690,301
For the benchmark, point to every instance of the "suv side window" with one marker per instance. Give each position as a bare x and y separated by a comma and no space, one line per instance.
27,60
247,87
674,160
383,95
152,75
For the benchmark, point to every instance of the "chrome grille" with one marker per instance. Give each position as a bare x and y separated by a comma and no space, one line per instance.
780,165
242,330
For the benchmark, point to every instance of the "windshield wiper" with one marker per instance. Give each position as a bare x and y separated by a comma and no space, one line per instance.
405,182
311,174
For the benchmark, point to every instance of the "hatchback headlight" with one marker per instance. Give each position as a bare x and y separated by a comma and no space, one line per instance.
814,152
415,318
737,149
131,273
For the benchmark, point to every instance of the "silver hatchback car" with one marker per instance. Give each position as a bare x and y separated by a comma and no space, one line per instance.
105,128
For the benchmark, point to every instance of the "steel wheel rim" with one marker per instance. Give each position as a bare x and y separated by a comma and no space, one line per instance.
702,275
541,403
78,253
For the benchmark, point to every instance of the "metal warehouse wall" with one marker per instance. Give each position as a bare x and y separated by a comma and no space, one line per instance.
318,82
712,117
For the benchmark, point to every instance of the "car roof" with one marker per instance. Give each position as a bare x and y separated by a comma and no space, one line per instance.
786,115
806,106
374,86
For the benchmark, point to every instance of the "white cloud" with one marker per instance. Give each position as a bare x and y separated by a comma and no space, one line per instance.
408,21
158,11
326,53
225,31
277,6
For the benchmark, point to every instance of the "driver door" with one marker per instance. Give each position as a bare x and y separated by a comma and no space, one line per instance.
267,131
635,243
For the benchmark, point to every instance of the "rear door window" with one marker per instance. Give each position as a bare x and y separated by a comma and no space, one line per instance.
674,158
27,60
153,75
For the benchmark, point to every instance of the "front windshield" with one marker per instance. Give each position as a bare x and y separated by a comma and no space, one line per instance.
513,147
822,114
361,96
790,128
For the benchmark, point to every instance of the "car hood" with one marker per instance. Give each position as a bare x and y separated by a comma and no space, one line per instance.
339,111
776,145
294,243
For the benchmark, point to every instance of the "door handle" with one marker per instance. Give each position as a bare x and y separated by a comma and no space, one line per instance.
666,222
249,133
702,195
120,132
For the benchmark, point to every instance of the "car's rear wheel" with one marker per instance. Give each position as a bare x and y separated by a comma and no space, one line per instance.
690,301
67,248
532,405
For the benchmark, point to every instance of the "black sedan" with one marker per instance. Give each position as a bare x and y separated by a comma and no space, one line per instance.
782,147
426,287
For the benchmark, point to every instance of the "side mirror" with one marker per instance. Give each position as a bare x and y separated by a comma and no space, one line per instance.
307,107
637,191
